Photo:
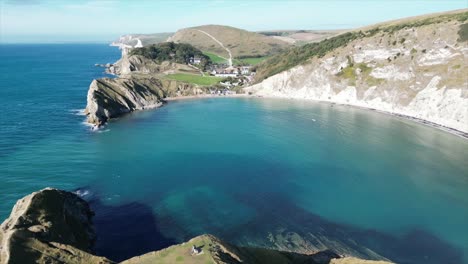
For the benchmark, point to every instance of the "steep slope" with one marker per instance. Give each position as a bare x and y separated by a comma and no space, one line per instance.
240,42
414,67
110,98
49,226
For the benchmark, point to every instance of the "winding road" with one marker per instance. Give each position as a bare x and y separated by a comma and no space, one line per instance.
221,44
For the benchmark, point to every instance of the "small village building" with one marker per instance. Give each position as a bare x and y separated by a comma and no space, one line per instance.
245,70
196,250
227,72
195,60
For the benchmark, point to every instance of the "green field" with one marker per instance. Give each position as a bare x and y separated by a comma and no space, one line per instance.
252,61
245,61
215,58
195,79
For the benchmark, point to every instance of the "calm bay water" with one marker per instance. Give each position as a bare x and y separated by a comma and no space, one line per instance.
237,168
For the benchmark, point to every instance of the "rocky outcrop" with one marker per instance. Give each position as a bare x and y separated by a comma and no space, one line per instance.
416,68
49,226
210,249
141,84
109,98
54,226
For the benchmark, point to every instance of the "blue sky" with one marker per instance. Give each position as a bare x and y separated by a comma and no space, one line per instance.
104,20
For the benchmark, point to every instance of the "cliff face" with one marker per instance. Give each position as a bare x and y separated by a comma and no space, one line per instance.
417,70
48,226
109,98
53,226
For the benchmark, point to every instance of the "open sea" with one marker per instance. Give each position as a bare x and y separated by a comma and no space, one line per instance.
250,171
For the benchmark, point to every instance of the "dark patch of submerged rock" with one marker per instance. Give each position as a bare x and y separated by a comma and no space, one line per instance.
55,226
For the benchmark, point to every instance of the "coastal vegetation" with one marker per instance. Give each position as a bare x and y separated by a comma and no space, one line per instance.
463,33
216,59
250,60
194,79
170,51
300,55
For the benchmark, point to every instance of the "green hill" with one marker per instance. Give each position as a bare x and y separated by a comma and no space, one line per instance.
240,42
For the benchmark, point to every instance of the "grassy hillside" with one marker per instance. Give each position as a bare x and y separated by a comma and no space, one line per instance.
215,58
214,251
301,37
299,55
242,43
194,79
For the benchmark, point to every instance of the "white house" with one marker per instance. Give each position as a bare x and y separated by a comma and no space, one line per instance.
195,60
245,70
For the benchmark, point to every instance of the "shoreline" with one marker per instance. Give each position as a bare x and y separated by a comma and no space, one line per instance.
450,130
421,121
202,96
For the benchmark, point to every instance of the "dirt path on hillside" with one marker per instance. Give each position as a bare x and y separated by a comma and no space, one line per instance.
221,44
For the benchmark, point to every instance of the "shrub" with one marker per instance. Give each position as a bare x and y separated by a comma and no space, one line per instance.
463,33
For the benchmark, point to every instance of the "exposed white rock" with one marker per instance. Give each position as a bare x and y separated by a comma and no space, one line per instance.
424,78
375,54
391,72
437,56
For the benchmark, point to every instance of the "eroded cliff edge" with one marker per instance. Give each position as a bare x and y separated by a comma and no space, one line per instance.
49,226
415,67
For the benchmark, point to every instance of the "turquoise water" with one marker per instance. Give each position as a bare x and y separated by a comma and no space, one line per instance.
237,168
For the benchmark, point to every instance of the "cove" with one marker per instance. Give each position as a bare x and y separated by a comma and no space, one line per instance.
249,170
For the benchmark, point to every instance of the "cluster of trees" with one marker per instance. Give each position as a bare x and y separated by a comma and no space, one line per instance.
299,55
170,51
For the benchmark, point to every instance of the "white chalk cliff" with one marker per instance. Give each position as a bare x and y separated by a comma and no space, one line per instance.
418,71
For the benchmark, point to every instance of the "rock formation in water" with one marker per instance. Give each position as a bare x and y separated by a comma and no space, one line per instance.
415,67
49,226
109,98
54,226
141,82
